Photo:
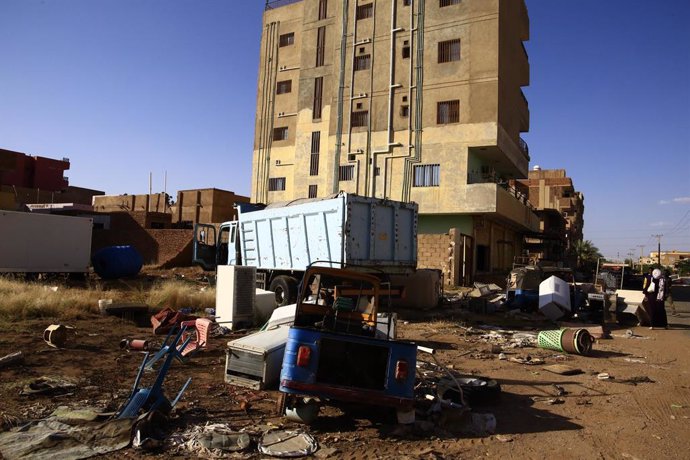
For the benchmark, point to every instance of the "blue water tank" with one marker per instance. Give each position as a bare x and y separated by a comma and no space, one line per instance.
114,262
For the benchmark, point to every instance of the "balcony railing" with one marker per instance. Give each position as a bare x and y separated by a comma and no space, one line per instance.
271,4
524,148
491,178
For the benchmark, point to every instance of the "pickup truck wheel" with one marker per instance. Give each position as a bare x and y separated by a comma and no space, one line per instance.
285,289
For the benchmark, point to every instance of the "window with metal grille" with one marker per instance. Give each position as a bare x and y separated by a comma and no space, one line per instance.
448,112
323,9
363,62
443,3
276,184
427,176
406,50
320,45
346,172
449,51
287,39
360,118
404,111
318,96
315,150
365,11
313,191
284,86
280,134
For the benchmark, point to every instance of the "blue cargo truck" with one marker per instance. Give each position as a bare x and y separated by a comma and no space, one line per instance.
334,353
281,240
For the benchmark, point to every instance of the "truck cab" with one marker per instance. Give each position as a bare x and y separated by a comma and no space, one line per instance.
216,246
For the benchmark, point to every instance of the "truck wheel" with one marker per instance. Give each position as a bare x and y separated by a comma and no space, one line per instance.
285,289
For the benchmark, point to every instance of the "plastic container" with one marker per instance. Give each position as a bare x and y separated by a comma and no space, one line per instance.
114,262
551,340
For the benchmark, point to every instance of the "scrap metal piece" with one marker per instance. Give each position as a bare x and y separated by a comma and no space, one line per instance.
287,443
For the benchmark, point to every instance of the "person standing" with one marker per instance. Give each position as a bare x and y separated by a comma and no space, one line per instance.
654,293
669,297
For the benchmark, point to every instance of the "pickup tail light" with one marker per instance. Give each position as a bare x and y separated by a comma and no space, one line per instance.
401,370
303,356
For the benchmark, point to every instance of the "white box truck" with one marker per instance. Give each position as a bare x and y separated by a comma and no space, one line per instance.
44,243
282,240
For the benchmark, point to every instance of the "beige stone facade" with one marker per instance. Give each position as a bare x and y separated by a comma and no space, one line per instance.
415,100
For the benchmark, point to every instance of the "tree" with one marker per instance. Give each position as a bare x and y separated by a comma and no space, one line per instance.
586,254
683,267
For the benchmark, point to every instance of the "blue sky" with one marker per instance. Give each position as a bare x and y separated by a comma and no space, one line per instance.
170,85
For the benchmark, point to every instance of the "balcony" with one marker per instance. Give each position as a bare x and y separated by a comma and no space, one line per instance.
523,112
524,148
503,203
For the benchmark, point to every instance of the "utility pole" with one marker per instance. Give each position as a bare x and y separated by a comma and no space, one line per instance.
658,253
641,246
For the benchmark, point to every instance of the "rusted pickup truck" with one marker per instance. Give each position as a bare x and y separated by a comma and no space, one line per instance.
336,350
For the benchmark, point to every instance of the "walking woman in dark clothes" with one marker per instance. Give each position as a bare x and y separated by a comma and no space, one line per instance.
654,294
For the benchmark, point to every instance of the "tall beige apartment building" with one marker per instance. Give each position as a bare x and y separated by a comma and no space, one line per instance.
412,100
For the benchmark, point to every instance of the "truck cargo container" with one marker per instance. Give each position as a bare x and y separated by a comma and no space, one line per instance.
44,243
341,231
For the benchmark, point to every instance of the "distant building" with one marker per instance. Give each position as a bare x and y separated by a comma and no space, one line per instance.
668,258
552,190
26,179
405,100
209,206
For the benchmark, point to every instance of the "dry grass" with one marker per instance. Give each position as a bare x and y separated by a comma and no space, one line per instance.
180,294
24,300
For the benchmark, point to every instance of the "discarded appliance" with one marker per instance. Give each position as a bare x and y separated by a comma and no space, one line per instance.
254,361
113,262
574,341
554,298
153,398
332,350
235,296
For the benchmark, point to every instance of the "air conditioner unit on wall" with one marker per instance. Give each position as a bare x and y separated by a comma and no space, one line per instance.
235,296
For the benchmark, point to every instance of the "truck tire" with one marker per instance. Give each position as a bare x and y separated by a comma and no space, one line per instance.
285,289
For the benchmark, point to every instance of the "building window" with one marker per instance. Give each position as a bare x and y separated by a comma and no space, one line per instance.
280,134
315,150
323,9
448,112
320,45
362,62
346,172
360,118
318,96
313,191
276,184
449,51
283,87
406,2
443,3
426,175
287,39
406,49
404,111
365,11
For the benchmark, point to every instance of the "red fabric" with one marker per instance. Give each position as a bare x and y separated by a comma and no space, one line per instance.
167,319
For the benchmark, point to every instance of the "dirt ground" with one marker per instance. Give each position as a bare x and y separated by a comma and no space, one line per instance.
597,418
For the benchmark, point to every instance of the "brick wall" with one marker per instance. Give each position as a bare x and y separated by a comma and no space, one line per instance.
166,247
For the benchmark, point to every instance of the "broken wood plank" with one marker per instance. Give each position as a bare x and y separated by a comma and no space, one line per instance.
11,359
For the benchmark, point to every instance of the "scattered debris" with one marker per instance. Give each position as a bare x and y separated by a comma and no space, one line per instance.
562,369
57,335
604,376
287,443
135,345
636,380
548,400
526,360
48,386
212,439
12,358
575,341
504,438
